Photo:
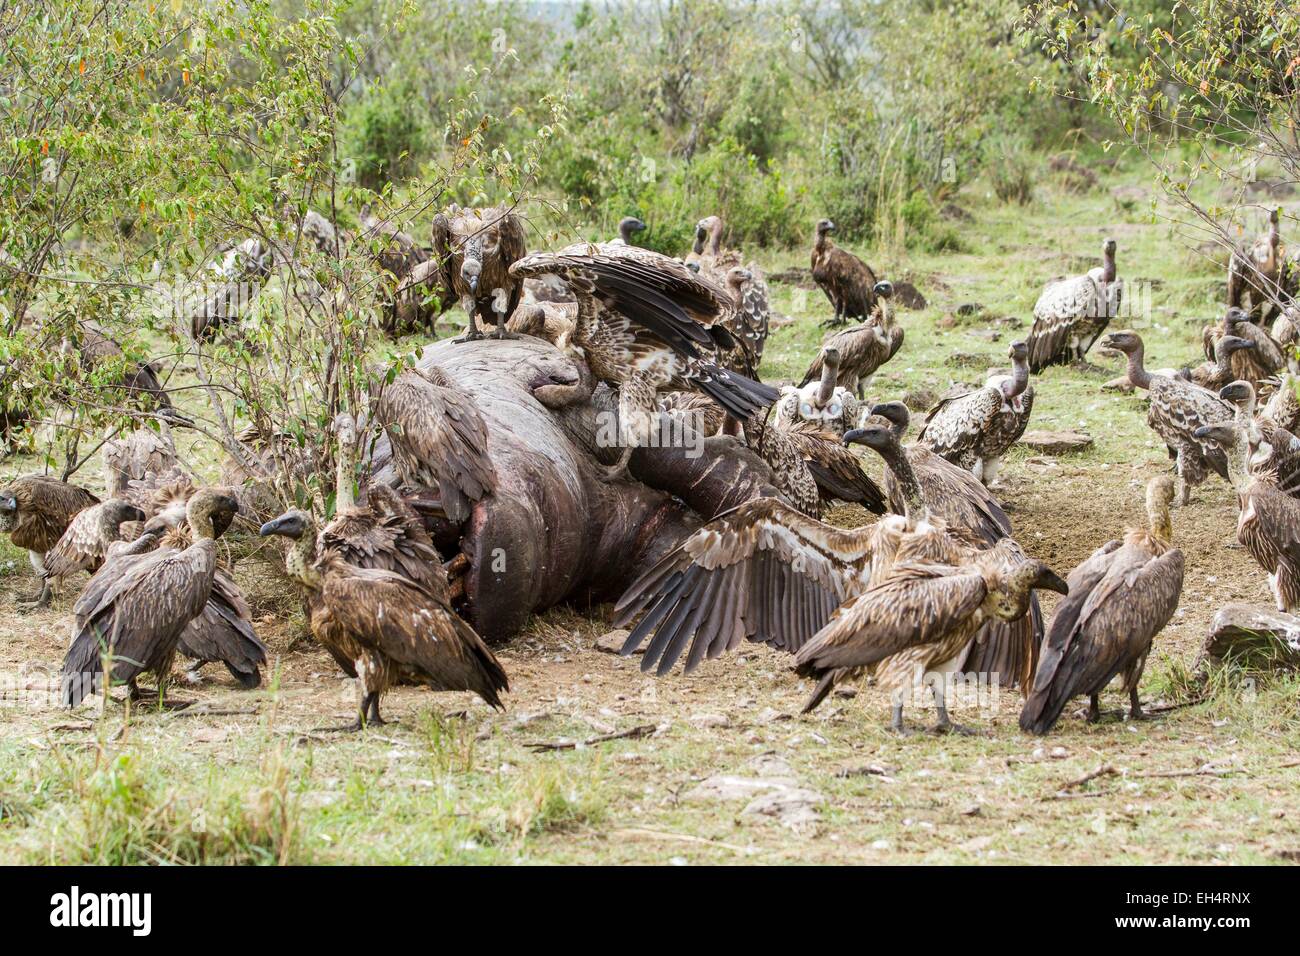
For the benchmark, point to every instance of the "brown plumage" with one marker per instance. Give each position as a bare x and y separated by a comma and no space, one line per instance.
1215,374
1255,362
1072,313
551,321
134,610
384,628
395,251
974,428
1284,407
438,437
836,472
1286,333
751,317
140,462
416,302
1260,276
1177,409
84,544
827,405
1120,599
862,348
847,281
35,511
476,248
138,385
1277,450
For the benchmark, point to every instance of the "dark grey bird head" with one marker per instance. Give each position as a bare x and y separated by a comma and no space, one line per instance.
1044,578
291,524
694,267
1239,392
629,226
471,266
1223,434
1018,351
884,289
878,437
1108,248
1126,341
117,511
896,413
1234,343
825,226
8,504
1235,315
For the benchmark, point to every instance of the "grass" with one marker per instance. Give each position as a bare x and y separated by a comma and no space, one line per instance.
452,782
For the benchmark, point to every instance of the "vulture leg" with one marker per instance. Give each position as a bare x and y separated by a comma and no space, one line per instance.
945,725
1135,711
370,713
1094,709
896,720
472,331
501,331
38,600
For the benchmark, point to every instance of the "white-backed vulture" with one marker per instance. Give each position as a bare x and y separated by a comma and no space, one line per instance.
135,609
84,544
394,250
1177,409
139,384
35,511
862,348
384,628
1268,519
974,429
1072,313
1263,359
416,302
752,315
438,437
647,324
846,280
1260,276
1120,599
1218,372
476,248
1278,449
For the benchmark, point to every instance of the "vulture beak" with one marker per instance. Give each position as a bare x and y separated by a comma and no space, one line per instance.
133,513
473,283
8,504
289,525
639,226
1048,580
884,289
1235,391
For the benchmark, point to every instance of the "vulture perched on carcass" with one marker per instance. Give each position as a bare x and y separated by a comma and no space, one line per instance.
862,348
974,428
476,248
1268,519
1261,276
1177,409
1071,314
847,281
35,511
135,609
1120,599
823,402
647,324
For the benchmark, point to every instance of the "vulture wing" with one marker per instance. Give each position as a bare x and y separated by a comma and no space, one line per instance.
956,424
836,469
82,546
224,632
1059,307
386,534
1179,407
762,572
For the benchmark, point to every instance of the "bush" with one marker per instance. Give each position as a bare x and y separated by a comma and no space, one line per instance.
384,135
1011,170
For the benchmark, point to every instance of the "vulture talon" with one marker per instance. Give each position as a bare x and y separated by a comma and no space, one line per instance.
948,727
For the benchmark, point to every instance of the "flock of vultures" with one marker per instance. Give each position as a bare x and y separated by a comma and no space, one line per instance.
935,586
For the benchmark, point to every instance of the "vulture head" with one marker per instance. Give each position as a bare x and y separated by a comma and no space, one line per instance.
1222,434
628,226
1240,393
1108,259
737,277
878,436
1013,386
1232,343
896,413
471,265
8,511
824,228
884,289
291,524
210,512
1235,316
1126,341
708,230
1032,575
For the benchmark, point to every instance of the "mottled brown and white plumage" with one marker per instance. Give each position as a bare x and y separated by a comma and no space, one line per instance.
1255,362
139,462
1277,449
1284,406
1120,599
439,438
811,465
974,429
645,324
35,511
1177,409
383,627
136,607
1260,275
1219,371
476,249
84,544
862,348
1072,313
552,321
1286,333
825,404
750,320
847,281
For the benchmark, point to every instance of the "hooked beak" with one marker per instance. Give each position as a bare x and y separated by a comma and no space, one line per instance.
8,504
290,526
1049,580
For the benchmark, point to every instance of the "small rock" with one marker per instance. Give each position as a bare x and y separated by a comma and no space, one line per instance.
770,715
1058,753
966,360
1055,442
793,808
918,400
709,720
612,642
209,735
968,309
988,335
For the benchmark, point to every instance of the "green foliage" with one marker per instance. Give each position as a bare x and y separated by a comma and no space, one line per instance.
1011,170
384,135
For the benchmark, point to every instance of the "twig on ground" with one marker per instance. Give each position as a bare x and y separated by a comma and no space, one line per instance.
641,730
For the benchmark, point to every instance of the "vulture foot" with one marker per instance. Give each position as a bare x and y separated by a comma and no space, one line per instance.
946,726
472,334
896,725
156,697
191,675
37,601
1135,711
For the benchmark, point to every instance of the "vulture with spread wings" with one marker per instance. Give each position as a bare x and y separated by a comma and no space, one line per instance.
476,249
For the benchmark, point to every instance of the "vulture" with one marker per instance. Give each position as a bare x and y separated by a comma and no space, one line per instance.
1278,448
707,250
1177,409
703,414
1215,374
628,227
551,321
1286,333
139,382
847,281
35,511
919,481
395,251
476,249
1284,407
84,544
385,628
1260,276
140,462
824,403
136,607
1262,358
411,309
1072,313
1120,598
742,357
647,324
243,271
438,437
1268,519
752,316
975,428
862,348
811,466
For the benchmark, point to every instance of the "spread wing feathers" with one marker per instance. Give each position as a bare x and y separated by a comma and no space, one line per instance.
957,424
385,534
439,439
1058,310
134,609
1281,460
1008,650
914,604
762,572
836,469
1178,408
406,623
1120,598
755,314
223,631
82,546
969,510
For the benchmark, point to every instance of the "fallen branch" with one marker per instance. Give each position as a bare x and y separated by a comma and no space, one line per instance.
1165,708
642,730
201,710
683,838
1104,770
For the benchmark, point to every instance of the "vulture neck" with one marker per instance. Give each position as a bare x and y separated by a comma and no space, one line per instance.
1137,373
299,562
200,522
1158,522
1108,271
897,461
822,243
344,498
1019,376
826,387
715,239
